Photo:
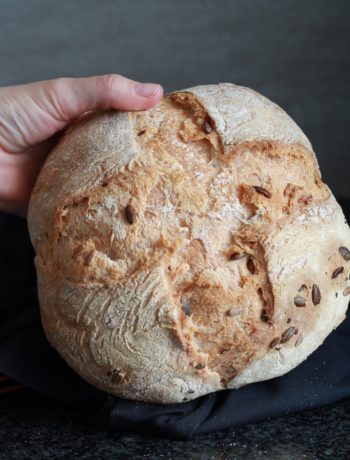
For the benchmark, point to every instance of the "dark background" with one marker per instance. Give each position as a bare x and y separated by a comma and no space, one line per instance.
295,52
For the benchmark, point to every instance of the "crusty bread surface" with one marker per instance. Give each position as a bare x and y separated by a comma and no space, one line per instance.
189,248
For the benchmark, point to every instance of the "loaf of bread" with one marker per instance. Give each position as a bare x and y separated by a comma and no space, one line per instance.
189,248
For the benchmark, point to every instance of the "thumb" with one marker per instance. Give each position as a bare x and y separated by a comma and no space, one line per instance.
34,112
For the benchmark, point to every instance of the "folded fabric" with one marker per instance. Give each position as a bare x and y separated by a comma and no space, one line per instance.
27,357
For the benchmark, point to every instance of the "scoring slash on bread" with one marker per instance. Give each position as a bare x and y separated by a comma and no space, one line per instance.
189,248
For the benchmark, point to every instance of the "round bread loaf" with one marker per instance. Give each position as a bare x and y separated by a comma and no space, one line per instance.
189,248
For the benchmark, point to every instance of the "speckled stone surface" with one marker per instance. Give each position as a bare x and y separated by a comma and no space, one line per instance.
35,427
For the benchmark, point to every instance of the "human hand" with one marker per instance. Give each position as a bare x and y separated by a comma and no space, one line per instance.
33,117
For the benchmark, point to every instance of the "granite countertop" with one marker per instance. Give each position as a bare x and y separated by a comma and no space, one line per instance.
35,427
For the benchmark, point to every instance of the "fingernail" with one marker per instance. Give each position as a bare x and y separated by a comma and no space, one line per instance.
146,89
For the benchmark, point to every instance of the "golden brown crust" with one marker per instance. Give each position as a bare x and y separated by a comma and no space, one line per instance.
179,253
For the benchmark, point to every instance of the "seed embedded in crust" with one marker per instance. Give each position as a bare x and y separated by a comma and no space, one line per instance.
337,272
299,301
251,265
141,132
185,306
288,334
237,255
274,342
289,320
207,128
345,253
130,214
346,291
234,312
299,340
262,191
316,294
